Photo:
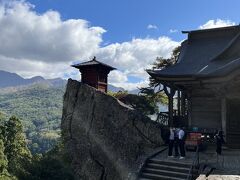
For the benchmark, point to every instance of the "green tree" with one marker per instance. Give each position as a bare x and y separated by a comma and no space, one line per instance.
3,159
40,110
2,116
161,63
16,150
4,174
143,102
54,165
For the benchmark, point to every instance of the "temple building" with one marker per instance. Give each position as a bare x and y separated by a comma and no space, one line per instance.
94,73
207,79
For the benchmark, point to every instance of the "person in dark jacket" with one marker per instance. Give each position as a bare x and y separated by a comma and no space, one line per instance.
219,141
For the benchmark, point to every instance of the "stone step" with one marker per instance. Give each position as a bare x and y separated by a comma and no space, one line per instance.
233,139
233,135
165,173
167,167
170,163
234,146
159,177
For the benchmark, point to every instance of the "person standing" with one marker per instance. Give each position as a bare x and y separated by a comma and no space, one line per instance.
171,142
219,142
176,142
181,140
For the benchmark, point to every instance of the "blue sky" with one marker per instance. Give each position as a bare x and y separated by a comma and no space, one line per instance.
126,19
44,37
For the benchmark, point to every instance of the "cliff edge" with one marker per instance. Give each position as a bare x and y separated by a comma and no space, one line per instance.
105,138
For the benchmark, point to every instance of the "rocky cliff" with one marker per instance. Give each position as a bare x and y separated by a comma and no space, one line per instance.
105,138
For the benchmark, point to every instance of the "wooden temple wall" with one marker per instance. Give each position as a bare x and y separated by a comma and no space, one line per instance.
232,128
205,110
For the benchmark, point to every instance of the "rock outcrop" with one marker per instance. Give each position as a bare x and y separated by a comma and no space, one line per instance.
105,138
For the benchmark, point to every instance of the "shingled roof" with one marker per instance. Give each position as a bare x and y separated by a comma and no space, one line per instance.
206,53
93,62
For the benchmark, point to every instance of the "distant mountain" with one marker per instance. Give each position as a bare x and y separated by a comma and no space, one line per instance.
13,82
134,91
117,89
8,79
114,88
58,82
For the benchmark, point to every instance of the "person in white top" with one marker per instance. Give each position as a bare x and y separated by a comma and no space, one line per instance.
181,135
171,141
176,142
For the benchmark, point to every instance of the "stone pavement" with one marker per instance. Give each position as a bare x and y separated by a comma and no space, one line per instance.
219,177
227,165
228,161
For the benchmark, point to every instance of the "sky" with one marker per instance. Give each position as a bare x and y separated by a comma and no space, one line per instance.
45,37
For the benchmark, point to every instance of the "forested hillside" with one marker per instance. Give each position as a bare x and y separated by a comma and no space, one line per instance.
18,163
40,108
38,104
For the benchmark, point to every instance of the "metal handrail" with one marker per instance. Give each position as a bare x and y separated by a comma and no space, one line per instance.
195,163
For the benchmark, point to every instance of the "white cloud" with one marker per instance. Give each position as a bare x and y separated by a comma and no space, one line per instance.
217,23
131,86
152,26
117,77
44,44
45,37
135,56
173,30
30,68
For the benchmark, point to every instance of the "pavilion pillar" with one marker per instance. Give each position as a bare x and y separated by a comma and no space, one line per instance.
170,110
170,104
224,116
178,103
183,103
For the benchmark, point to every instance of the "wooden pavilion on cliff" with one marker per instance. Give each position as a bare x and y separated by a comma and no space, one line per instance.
207,75
95,73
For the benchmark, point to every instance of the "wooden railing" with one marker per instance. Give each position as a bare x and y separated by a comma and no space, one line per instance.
163,118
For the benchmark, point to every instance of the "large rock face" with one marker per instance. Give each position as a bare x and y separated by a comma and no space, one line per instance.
105,138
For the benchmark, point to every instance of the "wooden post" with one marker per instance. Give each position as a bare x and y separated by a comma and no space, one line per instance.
189,108
170,110
170,104
183,103
178,103
224,116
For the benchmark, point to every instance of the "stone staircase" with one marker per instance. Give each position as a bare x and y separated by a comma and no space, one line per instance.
155,169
